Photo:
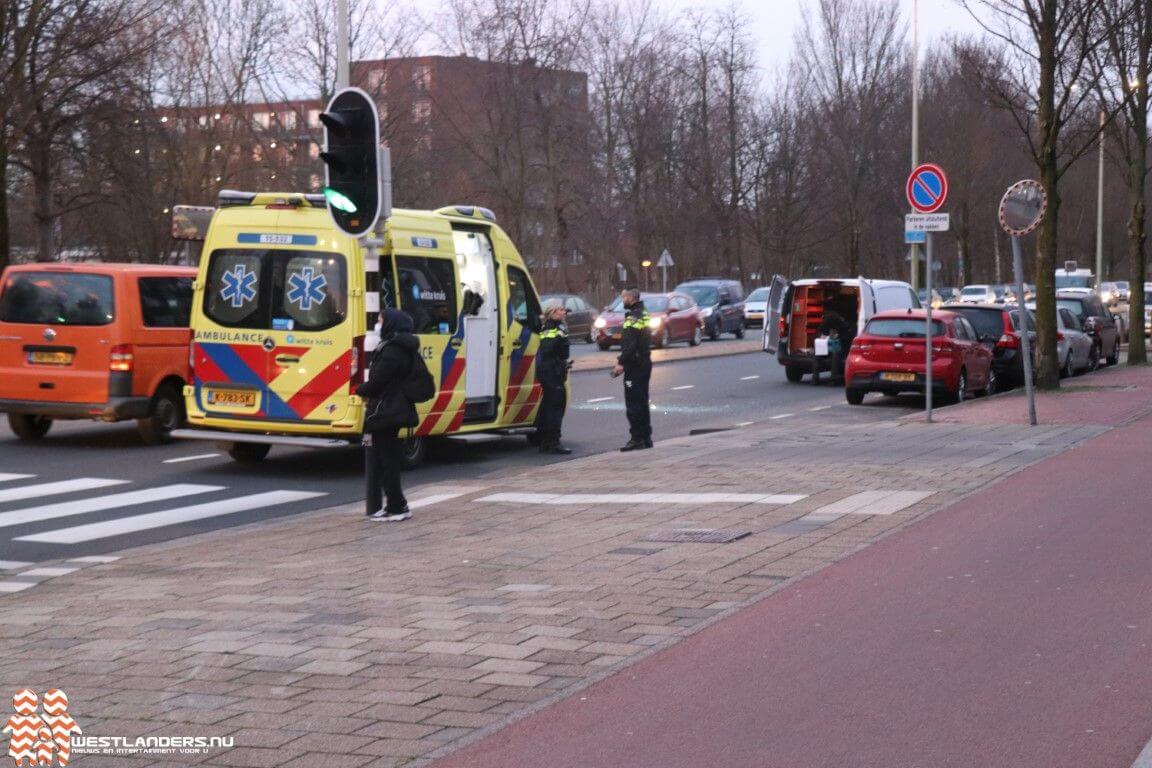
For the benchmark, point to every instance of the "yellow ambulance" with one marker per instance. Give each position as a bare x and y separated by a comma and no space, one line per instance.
284,310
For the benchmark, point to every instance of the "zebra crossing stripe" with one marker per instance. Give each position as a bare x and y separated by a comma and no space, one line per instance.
56,488
6,476
101,503
82,533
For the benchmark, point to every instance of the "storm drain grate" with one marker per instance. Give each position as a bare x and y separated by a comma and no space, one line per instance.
698,536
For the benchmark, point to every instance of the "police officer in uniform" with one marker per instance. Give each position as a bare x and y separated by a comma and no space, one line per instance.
552,373
635,362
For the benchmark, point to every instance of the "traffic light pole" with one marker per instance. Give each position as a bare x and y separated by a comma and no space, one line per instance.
342,65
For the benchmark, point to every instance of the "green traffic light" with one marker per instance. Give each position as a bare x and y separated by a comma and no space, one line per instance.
339,201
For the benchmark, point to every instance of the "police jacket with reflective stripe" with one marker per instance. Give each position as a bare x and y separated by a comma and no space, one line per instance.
552,357
636,338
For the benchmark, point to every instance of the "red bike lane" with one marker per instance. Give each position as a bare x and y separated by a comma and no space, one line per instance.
1011,629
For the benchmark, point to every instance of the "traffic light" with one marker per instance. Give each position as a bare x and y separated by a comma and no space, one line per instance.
351,159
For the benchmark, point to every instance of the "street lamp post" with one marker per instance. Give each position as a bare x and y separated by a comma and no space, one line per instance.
646,264
914,250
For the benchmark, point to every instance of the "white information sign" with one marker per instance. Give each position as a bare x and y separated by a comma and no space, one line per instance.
926,222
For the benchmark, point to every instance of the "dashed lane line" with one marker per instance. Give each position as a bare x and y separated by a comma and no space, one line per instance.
781,416
749,378
198,457
684,386
600,399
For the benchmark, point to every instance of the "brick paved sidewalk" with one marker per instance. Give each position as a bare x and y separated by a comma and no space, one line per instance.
326,639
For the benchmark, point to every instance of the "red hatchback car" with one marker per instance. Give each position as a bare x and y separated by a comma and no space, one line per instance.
888,357
675,317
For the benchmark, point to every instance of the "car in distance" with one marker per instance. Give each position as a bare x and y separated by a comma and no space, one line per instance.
95,341
978,294
1109,294
673,317
580,315
755,307
1096,321
888,356
721,304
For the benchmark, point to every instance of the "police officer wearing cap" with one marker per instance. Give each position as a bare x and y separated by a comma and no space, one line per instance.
635,363
552,372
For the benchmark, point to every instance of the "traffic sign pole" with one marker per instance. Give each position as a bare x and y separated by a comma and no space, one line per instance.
1025,341
1021,210
928,328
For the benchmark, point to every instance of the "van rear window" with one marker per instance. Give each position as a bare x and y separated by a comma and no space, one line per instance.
57,298
276,289
898,327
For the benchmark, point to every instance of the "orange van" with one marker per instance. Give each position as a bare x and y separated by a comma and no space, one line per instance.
94,341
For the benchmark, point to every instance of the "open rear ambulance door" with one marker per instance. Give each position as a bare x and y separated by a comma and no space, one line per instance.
867,304
772,311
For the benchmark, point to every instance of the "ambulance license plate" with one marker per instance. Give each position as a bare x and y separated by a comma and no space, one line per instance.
44,357
902,377
232,398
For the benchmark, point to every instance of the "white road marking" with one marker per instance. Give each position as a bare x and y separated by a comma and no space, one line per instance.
94,559
6,476
428,501
874,503
47,572
749,378
782,416
745,423
15,586
685,386
191,458
120,526
600,399
101,503
820,408
62,486
11,565
640,498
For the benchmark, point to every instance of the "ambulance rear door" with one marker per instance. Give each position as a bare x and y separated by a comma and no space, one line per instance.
481,318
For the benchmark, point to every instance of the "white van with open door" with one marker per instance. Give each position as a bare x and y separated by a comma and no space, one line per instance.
796,309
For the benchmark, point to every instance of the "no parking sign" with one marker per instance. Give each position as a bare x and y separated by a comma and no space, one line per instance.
927,188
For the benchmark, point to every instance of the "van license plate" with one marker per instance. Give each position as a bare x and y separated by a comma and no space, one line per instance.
905,377
232,398
50,358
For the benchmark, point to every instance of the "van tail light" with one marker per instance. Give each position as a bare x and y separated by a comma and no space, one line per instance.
1009,341
783,327
356,369
1059,336
121,358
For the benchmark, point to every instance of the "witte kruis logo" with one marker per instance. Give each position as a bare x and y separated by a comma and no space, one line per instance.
35,739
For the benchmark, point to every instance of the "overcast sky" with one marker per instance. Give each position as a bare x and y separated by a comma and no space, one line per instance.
774,22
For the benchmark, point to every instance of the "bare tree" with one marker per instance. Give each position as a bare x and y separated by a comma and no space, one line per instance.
1039,76
853,59
1121,76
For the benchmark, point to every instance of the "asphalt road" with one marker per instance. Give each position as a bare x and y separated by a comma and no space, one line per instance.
118,493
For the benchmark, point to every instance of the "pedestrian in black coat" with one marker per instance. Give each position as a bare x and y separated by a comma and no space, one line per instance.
552,373
388,410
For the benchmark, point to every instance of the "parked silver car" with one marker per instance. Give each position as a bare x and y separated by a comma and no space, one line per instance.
1073,345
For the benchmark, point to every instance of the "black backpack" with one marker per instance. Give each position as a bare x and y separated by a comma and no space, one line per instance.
418,386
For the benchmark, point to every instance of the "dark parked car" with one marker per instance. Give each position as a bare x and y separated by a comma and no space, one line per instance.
1096,321
581,315
996,330
675,317
721,304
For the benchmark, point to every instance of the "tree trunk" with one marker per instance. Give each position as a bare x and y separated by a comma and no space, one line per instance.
1137,351
5,233
1048,368
40,155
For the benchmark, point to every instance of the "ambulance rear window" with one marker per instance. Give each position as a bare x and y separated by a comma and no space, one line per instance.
278,290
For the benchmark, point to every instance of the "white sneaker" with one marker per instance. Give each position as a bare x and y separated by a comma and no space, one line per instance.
397,516
377,515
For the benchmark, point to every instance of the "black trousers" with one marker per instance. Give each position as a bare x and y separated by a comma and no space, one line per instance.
387,453
549,418
636,401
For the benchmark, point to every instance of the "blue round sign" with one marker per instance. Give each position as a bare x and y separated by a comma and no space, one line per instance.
927,188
